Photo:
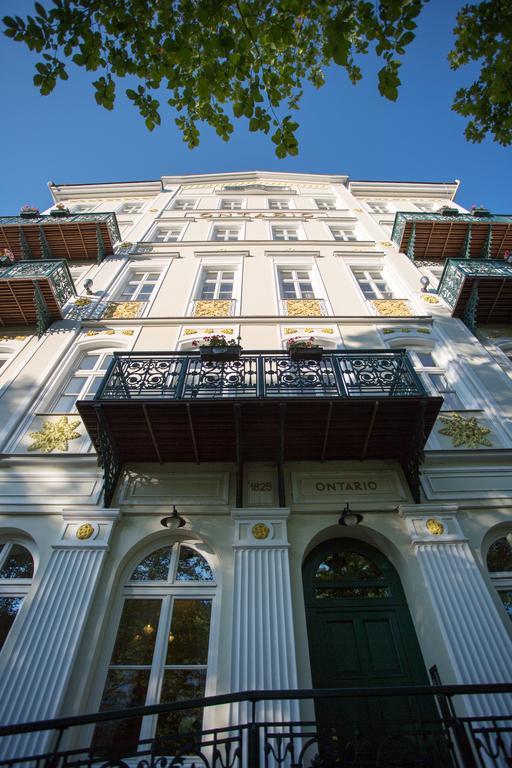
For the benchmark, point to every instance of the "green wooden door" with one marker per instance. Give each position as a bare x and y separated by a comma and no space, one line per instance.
361,636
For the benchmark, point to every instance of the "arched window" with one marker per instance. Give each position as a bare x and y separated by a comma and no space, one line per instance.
160,653
499,565
16,572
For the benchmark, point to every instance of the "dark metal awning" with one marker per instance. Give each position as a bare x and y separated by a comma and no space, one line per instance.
478,291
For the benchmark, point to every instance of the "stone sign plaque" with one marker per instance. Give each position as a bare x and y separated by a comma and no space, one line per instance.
349,485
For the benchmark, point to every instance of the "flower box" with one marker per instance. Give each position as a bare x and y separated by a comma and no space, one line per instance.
220,354
306,353
29,213
480,212
60,212
449,211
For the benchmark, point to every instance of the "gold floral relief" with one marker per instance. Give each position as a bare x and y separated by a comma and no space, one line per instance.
468,432
83,301
392,307
54,435
303,307
428,298
227,331
121,310
290,330
435,527
260,531
213,308
85,531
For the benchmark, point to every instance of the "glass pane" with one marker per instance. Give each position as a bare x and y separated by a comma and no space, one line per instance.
9,607
124,688
506,599
192,566
154,567
346,565
179,685
135,641
75,384
189,633
19,564
338,593
89,362
426,359
499,557
64,404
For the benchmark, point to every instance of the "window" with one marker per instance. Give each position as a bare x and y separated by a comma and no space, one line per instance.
425,207
279,204
343,233
326,204
166,234
83,383
225,233
435,378
16,572
216,284
227,204
139,286
372,283
378,207
131,207
285,233
184,204
295,284
499,565
82,208
160,653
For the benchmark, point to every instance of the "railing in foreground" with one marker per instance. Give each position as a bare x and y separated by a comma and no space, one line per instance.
370,373
408,727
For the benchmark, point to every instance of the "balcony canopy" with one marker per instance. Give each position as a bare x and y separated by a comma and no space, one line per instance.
264,406
478,291
437,236
34,292
82,237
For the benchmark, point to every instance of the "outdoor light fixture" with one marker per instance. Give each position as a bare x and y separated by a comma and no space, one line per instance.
425,282
173,521
88,287
349,518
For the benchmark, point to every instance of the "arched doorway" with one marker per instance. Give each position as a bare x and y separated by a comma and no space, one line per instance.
361,635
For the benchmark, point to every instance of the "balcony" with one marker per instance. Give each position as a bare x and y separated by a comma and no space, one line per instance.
34,292
154,407
436,236
478,291
84,237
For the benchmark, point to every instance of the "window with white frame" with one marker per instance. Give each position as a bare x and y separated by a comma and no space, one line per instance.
425,207
216,284
372,283
499,565
279,203
161,648
138,286
83,208
436,380
288,232
225,233
231,204
83,382
16,572
166,234
376,207
345,232
326,203
295,284
135,207
184,204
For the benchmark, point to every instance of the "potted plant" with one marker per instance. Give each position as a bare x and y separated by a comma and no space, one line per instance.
217,348
6,257
60,210
304,349
447,210
29,212
479,210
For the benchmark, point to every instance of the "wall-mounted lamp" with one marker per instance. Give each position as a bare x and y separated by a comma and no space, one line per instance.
425,282
173,521
88,287
349,518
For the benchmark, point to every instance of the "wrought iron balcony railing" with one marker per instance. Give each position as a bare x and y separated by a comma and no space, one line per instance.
34,292
436,236
406,727
368,373
74,237
478,291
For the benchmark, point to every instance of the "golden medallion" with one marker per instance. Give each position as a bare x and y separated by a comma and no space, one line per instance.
85,531
260,531
435,527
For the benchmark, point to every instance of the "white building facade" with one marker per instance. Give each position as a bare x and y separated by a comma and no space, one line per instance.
343,482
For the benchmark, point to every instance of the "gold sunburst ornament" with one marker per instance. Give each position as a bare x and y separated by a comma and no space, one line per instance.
466,432
54,435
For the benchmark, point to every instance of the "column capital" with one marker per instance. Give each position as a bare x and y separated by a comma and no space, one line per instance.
86,528
432,523
260,528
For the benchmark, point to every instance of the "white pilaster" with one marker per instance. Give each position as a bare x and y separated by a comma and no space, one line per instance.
35,677
263,633
475,638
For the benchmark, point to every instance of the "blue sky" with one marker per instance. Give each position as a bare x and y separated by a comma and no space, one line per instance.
66,137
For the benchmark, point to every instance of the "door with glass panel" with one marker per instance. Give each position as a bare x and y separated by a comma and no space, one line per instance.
160,653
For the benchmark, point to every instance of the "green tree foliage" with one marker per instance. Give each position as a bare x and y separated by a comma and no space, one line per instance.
211,59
